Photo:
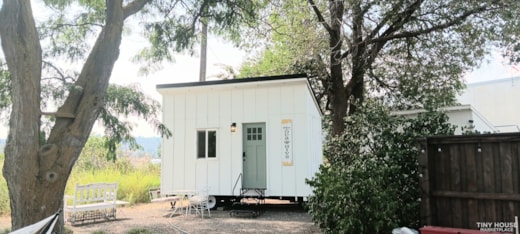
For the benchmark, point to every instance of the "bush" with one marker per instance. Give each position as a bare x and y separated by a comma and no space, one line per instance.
370,184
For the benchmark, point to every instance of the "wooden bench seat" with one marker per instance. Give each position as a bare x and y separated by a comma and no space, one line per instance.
92,202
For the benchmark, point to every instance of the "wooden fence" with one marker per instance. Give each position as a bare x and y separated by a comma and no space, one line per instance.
465,180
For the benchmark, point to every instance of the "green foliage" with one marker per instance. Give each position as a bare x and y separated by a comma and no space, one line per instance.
99,232
94,154
5,87
125,101
178,25
289,41
139,231
413,54
370,184
92,167
5,208
133,181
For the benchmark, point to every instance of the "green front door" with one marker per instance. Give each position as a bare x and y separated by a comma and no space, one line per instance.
254,159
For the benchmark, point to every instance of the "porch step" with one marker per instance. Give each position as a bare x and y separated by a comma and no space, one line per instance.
246,209
252,192
244,213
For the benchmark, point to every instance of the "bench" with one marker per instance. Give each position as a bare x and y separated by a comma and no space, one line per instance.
92,202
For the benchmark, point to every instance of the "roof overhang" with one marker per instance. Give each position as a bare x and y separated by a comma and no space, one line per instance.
165,89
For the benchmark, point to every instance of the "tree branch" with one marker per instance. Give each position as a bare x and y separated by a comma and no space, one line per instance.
61,76
454,21
134,7
388,35
387,18
380,81
319,15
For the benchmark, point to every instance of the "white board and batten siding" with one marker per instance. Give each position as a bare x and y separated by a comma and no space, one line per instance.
461,116
497,100
283,101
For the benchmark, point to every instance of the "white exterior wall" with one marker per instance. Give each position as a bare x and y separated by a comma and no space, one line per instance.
187,109
497,100
460,117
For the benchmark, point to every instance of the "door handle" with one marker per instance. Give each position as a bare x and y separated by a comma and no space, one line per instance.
244,156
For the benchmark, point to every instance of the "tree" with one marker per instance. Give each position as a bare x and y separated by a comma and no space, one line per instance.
373,190
407,52
37,167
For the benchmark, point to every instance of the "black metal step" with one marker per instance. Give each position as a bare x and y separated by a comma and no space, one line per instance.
240,209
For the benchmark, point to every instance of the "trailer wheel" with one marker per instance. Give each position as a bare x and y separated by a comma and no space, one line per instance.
212,202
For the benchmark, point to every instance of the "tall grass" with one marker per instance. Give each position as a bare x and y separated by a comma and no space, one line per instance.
134,181
4,193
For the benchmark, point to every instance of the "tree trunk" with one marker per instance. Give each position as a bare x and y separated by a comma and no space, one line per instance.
37,172
356,86
339,97
23,55
345,97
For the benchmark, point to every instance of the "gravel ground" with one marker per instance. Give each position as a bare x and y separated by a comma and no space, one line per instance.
155,218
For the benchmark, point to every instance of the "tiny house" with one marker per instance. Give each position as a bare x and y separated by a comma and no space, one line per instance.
243,137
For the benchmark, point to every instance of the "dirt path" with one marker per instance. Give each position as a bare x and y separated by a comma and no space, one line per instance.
154,217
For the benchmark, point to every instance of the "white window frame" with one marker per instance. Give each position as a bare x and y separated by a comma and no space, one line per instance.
206,143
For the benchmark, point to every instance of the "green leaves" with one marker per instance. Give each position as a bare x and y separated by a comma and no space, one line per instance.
287,38
121,101
370,184
66,32
412,54
175,25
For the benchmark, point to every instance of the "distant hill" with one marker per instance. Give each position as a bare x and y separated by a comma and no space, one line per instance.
150,147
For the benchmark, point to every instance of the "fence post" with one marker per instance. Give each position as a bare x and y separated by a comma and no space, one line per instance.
424,184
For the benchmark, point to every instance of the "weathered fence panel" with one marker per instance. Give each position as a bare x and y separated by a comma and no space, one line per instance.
470,179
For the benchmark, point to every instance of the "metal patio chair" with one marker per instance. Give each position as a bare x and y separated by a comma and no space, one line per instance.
199,203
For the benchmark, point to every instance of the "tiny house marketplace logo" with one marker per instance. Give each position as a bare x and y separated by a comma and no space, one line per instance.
509,227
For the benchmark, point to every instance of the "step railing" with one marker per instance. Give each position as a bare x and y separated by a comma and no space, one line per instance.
236,183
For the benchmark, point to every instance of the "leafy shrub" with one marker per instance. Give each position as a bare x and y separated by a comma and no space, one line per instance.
371,184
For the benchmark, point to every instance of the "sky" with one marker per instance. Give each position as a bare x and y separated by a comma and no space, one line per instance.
185,69
494,67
